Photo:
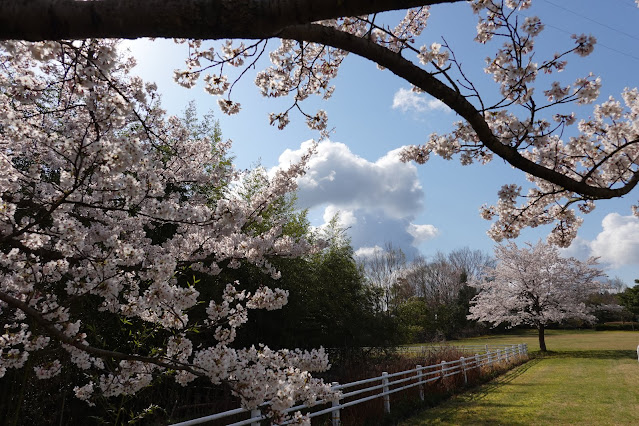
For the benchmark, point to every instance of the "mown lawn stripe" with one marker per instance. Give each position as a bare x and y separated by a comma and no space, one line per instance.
591,378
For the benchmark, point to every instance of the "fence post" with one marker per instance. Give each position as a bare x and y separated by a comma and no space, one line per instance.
419,380
476,361
256,413
498,355
463,366
487,350
335,420
385,390
507,354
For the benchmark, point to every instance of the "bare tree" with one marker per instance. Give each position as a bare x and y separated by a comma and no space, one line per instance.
440,280
471,262
385,271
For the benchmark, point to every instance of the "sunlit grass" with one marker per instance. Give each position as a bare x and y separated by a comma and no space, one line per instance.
588,378
560,340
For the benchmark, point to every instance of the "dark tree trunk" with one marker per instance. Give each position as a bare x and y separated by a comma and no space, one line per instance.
542,337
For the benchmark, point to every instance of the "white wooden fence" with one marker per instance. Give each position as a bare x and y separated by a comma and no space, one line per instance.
425,349
388,384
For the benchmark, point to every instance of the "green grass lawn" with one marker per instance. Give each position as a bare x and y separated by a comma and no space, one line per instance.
587,378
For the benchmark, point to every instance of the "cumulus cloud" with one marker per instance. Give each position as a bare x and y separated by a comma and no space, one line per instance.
407,100
618,243
349,182
580,249
368,252
377,200
346,218
422,233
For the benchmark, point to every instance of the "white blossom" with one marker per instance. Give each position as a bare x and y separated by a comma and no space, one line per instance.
585,44
535,286
105,163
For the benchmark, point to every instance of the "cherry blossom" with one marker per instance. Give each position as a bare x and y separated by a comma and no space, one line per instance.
91,170
102,200
535,286
518,125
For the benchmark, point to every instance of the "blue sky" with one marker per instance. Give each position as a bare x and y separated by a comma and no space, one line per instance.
434,207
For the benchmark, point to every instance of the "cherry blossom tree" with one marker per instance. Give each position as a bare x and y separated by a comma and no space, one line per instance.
534,285
570,162
106,210
100,192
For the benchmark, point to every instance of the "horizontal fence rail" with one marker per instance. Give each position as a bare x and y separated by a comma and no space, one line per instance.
387,384
424,349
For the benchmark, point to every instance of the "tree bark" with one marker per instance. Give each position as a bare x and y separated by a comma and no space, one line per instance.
542,337
36,20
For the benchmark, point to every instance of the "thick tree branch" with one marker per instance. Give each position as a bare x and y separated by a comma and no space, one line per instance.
200,19
215,19
457,102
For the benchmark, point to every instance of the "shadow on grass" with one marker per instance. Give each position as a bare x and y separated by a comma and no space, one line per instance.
483,390
594,354
477,394
499,381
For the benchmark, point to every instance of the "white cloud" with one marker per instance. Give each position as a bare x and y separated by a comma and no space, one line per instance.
580,249
346,218
349,182
376,200
406,100
368,252
616,246
422,233
618,243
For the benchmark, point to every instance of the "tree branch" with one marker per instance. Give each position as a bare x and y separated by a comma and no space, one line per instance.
102,353
417,76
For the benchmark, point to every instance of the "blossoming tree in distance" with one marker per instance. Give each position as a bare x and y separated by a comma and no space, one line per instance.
534,286
91,167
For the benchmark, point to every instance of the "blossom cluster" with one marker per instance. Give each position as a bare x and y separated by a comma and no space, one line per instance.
520,117
604,154
534,285
434,54
103,199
